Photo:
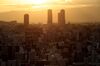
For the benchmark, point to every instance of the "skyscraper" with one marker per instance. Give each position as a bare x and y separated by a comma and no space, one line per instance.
26,20
28,36
61,17
49,16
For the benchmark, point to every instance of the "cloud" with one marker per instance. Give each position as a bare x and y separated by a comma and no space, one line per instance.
86,1
54,1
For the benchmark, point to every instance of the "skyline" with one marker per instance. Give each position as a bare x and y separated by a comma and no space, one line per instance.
76,10
74,15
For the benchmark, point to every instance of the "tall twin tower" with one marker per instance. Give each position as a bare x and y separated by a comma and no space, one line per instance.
61,18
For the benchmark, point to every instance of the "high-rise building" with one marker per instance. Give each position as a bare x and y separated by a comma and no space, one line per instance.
26,20
61,17
49,16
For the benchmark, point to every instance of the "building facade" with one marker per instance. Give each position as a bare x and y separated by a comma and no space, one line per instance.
50,16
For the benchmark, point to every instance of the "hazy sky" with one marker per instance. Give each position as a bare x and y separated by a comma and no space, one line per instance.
9,5
76,10
73,1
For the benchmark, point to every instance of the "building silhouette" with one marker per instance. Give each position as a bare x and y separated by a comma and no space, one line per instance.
61,17
49,16
28,36
26,20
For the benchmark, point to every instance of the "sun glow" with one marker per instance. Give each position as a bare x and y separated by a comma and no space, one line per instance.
39,1
43,2
36,2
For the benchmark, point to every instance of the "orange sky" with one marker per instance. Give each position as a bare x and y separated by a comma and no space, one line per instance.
76,10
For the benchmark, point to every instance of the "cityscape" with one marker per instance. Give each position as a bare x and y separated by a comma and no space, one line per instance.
51,44
49,32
